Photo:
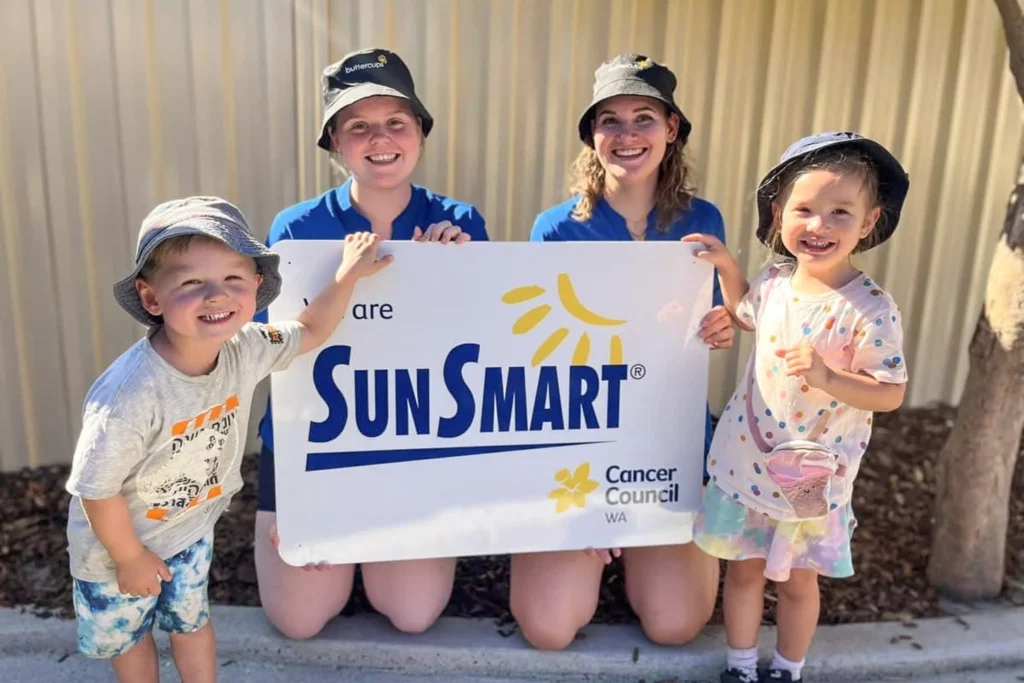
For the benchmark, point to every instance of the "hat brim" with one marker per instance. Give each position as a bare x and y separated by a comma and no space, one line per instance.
266,265
893,185
628,86
363,91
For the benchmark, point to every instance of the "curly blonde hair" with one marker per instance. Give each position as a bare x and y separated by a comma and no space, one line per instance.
671,197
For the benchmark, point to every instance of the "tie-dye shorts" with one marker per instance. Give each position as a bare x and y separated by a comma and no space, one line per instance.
728,530
110,623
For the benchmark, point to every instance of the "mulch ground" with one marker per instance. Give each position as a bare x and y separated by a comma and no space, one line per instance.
893,502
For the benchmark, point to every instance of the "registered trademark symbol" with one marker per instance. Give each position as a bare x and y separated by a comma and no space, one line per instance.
637,371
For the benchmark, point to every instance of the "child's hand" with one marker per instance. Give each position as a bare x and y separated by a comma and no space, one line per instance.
275,540
443,232
360,258
603,553
140,576
713,251
716,328
803,360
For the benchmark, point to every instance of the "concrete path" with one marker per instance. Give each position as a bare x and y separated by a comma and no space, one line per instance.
367,650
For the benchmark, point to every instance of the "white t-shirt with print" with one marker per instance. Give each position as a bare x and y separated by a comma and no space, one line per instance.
170,443
855,328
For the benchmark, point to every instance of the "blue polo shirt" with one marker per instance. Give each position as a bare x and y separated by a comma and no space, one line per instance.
331,216
606,225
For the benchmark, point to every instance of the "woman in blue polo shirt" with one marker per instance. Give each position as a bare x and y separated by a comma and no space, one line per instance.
374,126
631,182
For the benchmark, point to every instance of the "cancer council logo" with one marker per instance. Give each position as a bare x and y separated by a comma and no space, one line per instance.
529,320
573,488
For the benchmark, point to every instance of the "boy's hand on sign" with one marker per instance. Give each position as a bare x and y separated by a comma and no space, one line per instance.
604,554
444,232
360,257
140,575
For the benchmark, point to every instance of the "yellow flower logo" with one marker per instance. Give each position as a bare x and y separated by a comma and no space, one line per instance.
572,304
382,59
573,489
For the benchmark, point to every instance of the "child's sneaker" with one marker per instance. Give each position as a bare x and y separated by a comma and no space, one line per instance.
735,675
779,676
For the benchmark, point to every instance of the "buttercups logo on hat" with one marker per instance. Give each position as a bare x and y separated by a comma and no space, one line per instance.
209,216
631,74
893,181
367,73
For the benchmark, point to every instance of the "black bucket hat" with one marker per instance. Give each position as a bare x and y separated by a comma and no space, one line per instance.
631,74
893,181
209,216
367,73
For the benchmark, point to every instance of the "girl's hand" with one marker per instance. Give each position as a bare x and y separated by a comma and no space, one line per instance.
140,576
804,361
716,329
360,258
603,553
275,540
443,232
713,250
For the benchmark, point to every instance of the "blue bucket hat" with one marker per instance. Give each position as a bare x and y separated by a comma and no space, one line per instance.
209,216
893,181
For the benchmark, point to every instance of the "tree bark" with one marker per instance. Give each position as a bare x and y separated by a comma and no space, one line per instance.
977,462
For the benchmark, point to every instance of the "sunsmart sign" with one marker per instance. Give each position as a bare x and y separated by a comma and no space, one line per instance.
493,398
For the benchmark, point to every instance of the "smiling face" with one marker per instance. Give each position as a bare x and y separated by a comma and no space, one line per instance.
630,136
203,290
379,139
825,215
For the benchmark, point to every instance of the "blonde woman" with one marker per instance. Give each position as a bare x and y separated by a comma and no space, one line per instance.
631,182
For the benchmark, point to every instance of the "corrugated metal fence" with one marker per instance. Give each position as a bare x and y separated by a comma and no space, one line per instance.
110,106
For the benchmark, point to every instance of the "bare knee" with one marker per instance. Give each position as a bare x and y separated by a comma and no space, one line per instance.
414,620
546,632
672,631
800,586
295,626
746,573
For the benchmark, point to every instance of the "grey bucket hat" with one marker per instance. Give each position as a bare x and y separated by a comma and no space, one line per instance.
630,74
209,216
367,73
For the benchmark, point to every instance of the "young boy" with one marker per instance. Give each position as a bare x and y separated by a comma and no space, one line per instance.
159,455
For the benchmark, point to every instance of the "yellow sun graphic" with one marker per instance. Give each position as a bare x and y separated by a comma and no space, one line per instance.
572,304
573,489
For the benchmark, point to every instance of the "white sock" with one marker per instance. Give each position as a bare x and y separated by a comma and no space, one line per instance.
780,662
745,660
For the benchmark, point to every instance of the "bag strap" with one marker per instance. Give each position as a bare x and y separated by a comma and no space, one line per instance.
755,431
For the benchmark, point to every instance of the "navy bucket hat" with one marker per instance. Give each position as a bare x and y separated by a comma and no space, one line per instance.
631,74
367,73
893,181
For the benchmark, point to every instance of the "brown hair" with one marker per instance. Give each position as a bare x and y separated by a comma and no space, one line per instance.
671,196
838,160
172,245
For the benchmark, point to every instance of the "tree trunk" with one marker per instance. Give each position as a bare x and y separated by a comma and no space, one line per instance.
976,464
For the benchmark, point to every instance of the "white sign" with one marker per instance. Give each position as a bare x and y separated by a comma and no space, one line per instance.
493,398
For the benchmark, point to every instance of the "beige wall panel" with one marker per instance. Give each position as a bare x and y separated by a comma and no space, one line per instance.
110,106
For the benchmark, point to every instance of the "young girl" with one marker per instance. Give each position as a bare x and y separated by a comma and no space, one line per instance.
827,355
631,182
374,126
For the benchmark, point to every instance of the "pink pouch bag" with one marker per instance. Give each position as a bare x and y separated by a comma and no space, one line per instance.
804,470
